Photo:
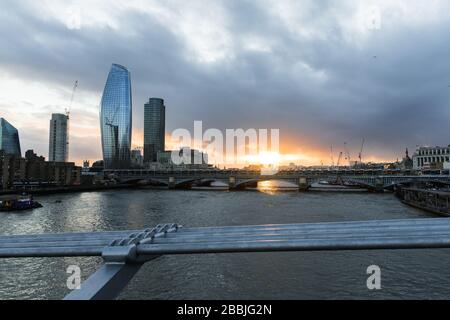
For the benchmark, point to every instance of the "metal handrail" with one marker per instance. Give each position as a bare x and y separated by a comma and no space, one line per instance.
124,252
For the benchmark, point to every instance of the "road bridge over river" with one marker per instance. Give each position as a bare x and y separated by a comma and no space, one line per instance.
373,180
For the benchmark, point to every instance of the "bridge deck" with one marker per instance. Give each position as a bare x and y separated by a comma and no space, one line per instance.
393,234
124,252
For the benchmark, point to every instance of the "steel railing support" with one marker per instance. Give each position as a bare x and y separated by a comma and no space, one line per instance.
121,264
107,282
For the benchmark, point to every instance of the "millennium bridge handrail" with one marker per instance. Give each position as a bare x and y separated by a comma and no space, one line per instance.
124,252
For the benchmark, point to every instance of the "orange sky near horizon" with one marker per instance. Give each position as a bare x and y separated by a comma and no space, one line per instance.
288,153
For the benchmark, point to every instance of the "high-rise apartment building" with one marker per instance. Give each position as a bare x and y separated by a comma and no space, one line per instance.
59,138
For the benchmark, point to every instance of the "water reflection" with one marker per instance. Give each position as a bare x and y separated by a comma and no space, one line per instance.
274,186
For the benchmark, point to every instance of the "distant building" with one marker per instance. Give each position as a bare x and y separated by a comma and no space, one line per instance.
91,175
165,158
98,166
116,119
431,158
64,173
154,129
59,138
137,160
192,159
407,163
12,168
9,138
255,167
36,167
34,172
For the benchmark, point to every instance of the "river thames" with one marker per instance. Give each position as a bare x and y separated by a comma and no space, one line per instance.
416,274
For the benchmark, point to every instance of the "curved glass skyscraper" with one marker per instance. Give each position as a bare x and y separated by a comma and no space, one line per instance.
9,138
115,119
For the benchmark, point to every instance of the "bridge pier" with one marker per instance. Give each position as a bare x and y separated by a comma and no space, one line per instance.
172,184
232,185
303,184
379,185
180,185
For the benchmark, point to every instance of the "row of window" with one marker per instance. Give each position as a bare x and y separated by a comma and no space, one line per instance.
423,160
430,152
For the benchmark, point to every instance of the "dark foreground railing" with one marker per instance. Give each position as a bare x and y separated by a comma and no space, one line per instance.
124,252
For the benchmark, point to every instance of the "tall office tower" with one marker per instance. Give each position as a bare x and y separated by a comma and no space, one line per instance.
58,150
115,119
9,138
154,129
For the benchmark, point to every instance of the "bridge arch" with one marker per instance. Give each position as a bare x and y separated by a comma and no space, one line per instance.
186,182
244,183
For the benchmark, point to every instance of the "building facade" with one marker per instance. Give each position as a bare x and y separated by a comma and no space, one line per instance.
12,168
137,160
9,138
154,129
34,171
432,158
191,159
58,150
116,119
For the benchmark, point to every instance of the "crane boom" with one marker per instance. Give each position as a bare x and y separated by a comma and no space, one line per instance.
332,157
339,160
75,86
347,154
362,149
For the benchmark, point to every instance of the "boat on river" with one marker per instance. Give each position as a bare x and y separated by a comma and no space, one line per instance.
18,203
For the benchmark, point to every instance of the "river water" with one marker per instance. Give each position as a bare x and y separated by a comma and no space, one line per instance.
415,274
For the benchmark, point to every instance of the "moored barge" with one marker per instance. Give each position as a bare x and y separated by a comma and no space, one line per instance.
18,203
434,201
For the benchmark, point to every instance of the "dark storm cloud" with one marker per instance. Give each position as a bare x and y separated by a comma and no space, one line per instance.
392,87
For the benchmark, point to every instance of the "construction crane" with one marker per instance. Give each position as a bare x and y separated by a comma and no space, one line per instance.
361,151
67,111
75,86
332,157
347,154
339,160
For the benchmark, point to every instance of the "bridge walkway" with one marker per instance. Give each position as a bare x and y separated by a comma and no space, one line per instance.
124,252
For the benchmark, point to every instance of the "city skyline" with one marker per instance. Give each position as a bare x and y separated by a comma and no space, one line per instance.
334,83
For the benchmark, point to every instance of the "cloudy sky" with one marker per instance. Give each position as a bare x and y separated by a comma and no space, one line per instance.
323,72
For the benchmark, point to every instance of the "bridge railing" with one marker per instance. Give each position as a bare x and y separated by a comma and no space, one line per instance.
124,252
